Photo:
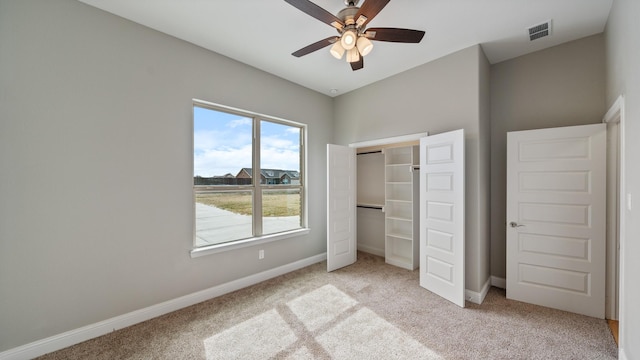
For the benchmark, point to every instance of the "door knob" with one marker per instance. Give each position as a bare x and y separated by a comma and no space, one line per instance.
514,224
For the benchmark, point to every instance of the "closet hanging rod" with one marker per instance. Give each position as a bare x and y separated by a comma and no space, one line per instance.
369,152
370,207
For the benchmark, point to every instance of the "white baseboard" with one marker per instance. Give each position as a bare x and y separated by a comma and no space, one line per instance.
499,282
478,297
66,339
622,355
371,250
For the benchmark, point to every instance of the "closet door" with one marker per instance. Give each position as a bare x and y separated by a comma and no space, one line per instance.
341,206
442,215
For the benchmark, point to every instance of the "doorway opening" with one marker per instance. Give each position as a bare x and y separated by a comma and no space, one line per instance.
387,193
616,207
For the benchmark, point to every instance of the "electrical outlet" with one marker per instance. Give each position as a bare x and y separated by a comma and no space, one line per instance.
260,254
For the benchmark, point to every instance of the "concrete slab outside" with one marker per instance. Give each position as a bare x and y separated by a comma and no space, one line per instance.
216,226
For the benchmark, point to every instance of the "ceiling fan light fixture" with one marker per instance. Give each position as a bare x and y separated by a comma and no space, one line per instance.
348,39
353,55
364,45
337,50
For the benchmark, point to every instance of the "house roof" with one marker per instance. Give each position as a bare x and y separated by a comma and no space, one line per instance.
273,173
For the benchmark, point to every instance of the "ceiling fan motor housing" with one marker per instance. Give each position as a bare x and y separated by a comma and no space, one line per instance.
348,15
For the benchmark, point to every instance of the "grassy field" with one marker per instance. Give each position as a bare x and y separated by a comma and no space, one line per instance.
273,203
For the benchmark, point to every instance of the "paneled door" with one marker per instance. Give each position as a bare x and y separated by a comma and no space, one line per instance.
556,218
341,206
442,214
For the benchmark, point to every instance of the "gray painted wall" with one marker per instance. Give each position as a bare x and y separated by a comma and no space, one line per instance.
623,78
439,96
559,86
92,106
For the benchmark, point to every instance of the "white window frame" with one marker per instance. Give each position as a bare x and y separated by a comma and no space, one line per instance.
256,187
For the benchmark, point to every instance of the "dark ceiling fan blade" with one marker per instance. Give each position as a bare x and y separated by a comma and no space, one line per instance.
317,12
315,46
370,9
395,35
358,64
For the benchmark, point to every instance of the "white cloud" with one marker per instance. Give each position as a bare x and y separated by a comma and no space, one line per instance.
278,158
239,122
221,152
213,162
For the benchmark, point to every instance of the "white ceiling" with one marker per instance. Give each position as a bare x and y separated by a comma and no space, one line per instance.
264,33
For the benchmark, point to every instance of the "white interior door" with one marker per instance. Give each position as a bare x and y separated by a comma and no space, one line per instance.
442,215
341,206
556,218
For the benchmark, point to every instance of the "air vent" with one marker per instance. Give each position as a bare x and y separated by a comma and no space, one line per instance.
540,30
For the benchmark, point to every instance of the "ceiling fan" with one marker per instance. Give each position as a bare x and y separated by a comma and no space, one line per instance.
355,38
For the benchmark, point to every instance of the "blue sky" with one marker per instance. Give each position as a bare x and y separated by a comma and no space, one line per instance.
222,144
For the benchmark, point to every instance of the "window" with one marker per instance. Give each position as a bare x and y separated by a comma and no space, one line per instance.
248,176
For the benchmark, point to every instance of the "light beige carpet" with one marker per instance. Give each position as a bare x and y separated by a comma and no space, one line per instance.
369,310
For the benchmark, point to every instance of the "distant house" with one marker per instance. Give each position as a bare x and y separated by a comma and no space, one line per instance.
227,179
272,176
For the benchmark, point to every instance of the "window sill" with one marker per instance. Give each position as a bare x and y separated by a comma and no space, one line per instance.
219,248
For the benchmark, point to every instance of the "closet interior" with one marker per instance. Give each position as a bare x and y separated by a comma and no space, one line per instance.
387,203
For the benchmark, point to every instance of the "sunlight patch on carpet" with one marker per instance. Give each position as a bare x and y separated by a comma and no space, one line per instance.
260,337
342,330
365,335
301,354
320,306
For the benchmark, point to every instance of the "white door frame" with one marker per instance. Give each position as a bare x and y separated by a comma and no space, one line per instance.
389,140
616,114
347,259
384,142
